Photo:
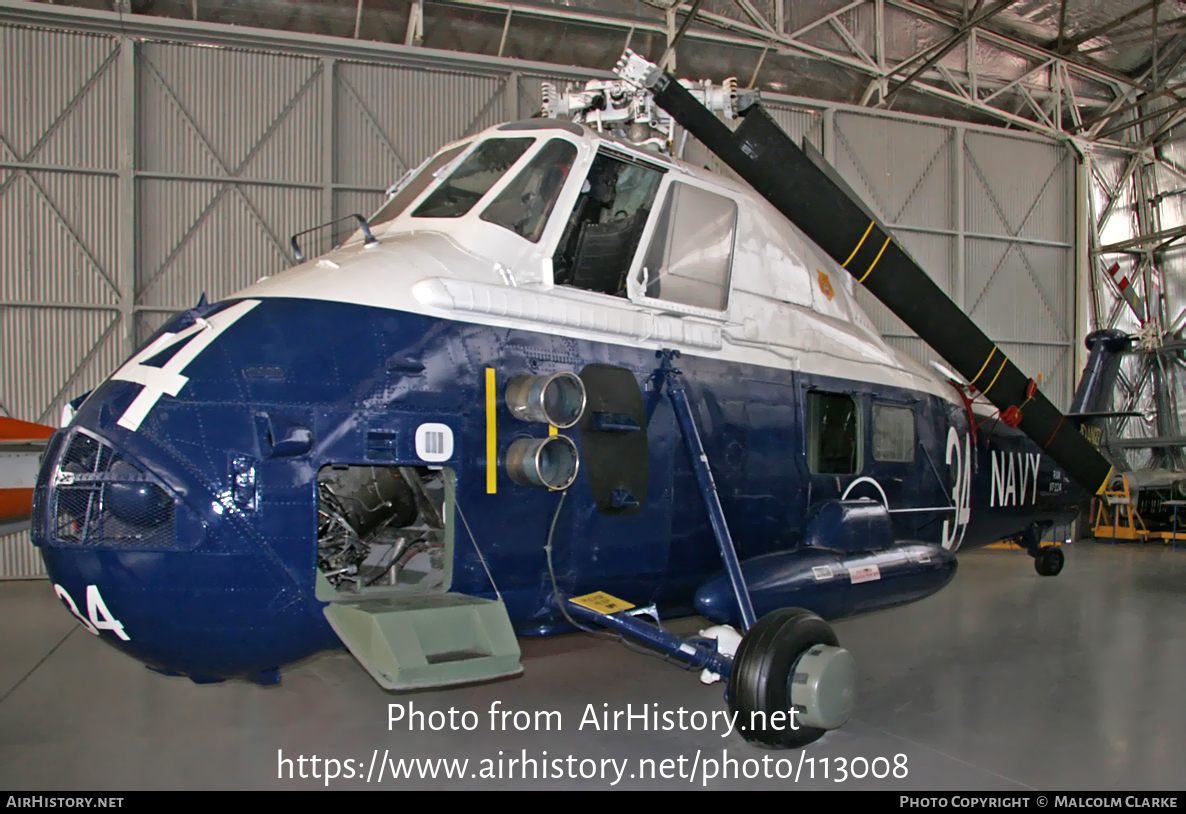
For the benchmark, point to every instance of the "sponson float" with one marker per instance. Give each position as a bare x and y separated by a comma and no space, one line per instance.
559,380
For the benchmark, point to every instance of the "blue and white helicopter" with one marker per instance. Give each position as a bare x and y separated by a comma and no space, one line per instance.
561,379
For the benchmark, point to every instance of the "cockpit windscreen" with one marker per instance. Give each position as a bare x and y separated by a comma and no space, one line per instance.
473,178
419,182
525,204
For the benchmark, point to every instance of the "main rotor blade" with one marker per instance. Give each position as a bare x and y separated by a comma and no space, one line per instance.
810,194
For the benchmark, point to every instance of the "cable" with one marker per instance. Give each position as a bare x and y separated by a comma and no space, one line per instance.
461,514
387,564
561,600
679,35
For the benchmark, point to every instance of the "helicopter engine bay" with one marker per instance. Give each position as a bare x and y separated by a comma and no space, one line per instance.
380,525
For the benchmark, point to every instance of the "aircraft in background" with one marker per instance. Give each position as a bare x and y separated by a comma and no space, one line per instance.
558,380
21,445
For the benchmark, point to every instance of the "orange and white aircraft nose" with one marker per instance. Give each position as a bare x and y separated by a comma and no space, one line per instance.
21,445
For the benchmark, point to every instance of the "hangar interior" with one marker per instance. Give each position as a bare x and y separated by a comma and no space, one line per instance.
1028,153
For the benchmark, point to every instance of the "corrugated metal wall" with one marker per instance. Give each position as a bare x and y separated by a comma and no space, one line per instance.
59,277
137,174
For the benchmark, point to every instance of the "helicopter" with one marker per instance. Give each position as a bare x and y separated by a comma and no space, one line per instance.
561,380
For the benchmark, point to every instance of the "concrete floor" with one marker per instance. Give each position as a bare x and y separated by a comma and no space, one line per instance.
1003,680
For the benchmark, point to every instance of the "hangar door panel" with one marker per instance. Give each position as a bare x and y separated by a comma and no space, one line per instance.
988,217
1019,198
60,274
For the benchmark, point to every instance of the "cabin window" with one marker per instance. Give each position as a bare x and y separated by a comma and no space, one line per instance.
419,181
605,226
473,178
525,204
893,433
692,249
833,434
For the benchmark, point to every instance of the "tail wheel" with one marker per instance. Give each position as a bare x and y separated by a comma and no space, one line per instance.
1049,561
790,681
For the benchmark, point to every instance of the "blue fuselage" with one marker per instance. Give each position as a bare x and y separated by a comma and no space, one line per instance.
232,591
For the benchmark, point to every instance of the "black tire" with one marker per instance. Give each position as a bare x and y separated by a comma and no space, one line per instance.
761,669
1049,561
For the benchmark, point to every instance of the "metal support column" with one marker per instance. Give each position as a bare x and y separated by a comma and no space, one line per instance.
960,284
512,94
829,136
1082,266
125,274
328,147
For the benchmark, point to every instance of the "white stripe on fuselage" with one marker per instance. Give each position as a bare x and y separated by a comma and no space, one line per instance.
791,306
387,276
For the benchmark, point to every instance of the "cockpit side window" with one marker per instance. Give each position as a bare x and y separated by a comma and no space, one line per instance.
416,184
893,433
525,204
833,434
473,178
691,252
606,224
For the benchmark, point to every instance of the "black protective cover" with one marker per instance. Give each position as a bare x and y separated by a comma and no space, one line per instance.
614,459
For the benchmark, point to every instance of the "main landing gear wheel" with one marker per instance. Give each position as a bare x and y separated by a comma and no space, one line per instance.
1049,561
790,656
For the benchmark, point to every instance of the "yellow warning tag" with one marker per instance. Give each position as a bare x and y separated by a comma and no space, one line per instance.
601,602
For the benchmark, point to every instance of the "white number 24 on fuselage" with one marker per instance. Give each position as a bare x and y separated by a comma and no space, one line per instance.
100,617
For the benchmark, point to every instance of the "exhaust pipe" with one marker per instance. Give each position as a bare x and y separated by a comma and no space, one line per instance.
558,399
550,462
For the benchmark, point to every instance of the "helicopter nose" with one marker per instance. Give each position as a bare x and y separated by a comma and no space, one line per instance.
181,590
102,498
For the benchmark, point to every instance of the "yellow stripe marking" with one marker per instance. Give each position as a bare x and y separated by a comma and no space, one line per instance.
991,353
858,248
1104,485
875,259
994,378
491,435
552,429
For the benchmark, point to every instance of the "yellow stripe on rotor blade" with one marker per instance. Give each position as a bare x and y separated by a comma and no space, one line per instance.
552,429
987,359
491,434
1004,362
858,248
875,259
1104,485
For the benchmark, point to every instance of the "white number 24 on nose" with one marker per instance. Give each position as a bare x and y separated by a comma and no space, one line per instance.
101,618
